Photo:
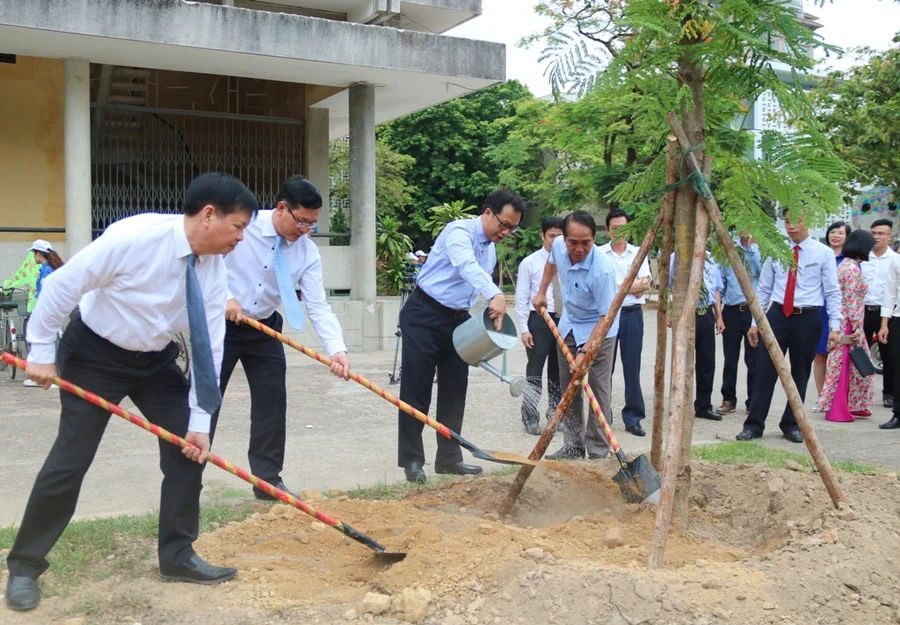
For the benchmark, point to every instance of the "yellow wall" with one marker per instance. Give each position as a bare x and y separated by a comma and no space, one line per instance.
32,176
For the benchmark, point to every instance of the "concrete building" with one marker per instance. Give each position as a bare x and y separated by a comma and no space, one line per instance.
108,109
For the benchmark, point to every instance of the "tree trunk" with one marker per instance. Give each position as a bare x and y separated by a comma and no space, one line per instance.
662,308
579,374
682,356
768,337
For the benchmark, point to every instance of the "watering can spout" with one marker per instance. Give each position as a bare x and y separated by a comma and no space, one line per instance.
477,341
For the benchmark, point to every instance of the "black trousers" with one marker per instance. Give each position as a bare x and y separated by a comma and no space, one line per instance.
428,345
157,387
631,342
544,346
264,365
737,323
798,336
893,346
871,325
704,360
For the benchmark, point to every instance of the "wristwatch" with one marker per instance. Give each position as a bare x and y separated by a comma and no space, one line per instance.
582,350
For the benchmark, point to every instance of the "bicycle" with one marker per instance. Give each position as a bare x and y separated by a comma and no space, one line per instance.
13,303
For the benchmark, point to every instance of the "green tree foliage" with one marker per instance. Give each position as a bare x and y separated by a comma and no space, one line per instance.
862,116
450,144
441,215
391,248
708,61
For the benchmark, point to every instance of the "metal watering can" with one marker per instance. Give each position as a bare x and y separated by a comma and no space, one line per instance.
476,341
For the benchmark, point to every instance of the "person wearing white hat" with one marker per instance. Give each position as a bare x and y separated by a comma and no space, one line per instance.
48,261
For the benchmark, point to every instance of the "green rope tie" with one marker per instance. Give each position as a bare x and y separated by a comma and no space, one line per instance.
699,181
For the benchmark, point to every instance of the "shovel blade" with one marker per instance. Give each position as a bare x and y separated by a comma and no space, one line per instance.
639,482
387,557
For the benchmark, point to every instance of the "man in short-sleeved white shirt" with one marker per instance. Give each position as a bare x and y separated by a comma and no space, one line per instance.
875,271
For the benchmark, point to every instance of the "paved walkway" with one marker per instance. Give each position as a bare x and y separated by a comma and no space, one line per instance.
341,435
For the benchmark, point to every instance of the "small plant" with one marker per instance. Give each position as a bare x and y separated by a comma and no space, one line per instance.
440,216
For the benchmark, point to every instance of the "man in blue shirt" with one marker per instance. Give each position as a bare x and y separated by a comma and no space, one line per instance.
458,270
708,324
588,281
737,318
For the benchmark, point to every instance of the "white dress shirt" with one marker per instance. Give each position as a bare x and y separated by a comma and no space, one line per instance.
252,281
130,283
890,301
528,282
875,271
817,283
622,264
459,266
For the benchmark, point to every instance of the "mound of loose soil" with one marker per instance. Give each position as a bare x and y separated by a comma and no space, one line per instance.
762,546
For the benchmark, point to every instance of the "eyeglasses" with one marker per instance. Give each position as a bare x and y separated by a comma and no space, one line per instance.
304,225
504,225
880,233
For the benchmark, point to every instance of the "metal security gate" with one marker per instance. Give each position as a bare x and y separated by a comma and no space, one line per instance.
142,159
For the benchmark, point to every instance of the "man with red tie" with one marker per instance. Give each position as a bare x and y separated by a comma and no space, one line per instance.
797,294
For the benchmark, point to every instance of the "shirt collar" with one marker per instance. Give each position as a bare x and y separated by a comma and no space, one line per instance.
182,247
480,236
268,228
803,244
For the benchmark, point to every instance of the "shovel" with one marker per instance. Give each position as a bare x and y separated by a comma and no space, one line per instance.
380,552
638,480
500,457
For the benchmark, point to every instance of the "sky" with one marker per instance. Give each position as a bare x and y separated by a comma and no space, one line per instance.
846,23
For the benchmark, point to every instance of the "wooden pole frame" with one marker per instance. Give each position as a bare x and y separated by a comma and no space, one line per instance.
662,313
821,461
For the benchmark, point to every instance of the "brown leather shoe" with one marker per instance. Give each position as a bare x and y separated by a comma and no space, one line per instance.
727,407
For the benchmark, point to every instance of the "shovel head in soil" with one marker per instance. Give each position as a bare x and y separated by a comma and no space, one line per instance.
639,482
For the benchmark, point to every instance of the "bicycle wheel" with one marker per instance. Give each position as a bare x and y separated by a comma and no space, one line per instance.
7,348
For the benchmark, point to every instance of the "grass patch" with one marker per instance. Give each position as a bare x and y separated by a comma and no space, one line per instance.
97,548
737,452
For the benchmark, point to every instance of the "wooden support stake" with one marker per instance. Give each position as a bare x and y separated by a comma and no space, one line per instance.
578,376
662,334
765,331
677,395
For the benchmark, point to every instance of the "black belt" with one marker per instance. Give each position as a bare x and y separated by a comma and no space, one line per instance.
873,309
740,307
425,297
800,310
631,308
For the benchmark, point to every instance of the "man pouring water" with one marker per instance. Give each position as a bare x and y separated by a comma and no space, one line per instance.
458,270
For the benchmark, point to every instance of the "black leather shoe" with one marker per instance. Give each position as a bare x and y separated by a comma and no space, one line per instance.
747,435
196,571
636,429
708,414
460,468
794,436
259,494
22,593
567,452
415,473
893,424
534,429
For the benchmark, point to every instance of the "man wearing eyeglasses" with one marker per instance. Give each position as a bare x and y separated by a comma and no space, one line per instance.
875,271
458,270
275,255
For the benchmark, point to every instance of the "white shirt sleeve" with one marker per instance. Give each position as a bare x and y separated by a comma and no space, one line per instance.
832,293
523,290
890,288
319,310
93,267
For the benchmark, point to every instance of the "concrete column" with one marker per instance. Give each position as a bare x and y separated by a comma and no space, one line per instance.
317,163
362,191
77,115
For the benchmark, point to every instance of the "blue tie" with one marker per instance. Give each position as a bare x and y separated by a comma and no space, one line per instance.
203,370
292,309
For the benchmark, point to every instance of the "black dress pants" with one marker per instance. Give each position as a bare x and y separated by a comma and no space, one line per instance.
704,360
737,323
265,367
544,346
428,345
798,337
871,326
157,387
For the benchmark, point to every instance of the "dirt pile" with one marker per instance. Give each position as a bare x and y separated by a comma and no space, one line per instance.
763,546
